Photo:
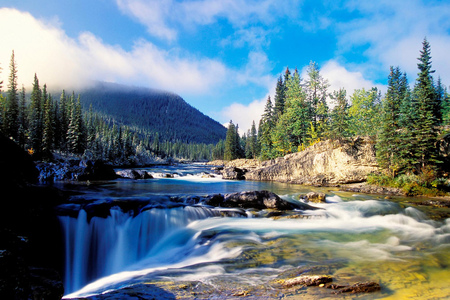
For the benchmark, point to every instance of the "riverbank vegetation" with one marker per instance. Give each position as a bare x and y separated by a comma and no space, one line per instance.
409,126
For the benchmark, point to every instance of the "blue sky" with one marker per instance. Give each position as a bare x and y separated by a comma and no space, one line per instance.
222,56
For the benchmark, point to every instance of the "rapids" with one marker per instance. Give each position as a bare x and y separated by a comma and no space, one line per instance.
353,237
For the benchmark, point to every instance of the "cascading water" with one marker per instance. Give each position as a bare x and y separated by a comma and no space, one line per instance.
351,238
104,246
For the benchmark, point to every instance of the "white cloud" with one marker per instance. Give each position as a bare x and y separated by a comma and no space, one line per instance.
163,18
244,115
62,62
393,31
340,77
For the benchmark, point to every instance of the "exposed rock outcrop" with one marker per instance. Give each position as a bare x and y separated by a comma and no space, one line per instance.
325,163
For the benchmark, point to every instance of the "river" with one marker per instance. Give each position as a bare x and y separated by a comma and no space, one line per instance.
171,251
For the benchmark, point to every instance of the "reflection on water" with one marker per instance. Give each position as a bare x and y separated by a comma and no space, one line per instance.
352,238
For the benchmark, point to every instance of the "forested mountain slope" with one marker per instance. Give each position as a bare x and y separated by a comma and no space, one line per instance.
153,111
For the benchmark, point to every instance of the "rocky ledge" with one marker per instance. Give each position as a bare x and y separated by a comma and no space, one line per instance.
326,163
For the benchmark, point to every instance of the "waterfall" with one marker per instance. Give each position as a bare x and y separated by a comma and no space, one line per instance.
102,246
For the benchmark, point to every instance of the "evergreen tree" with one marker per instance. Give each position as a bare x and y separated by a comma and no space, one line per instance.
48,135
23,121
230,151
75,132
265,130
339,127
11,120
390,135
315,88
428,111
280,97
35,117
291,130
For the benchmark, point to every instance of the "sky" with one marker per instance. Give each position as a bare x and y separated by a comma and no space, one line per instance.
222,56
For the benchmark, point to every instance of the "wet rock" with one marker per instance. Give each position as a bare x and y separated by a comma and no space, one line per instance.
307,280
134,174
316,197
360,287
254,199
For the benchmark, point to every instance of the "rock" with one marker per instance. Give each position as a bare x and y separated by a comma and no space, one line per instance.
307,280
372,189
254,199
325,163
134,174
360,287
233,173
316,197
97,170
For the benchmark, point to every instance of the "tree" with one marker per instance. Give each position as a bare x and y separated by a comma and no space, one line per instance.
35,117
390,135
231,146
315,88
75,132
266,126
339,127
11,120
280,97
364,112
428,111
48,135
23,120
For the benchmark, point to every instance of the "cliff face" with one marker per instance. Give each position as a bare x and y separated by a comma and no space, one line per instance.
327,162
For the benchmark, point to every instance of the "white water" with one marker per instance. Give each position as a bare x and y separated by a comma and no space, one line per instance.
123,248
101,247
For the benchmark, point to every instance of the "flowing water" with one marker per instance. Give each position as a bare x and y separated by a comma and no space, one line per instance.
197,252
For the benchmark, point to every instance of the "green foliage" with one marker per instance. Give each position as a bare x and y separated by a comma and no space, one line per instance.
364,112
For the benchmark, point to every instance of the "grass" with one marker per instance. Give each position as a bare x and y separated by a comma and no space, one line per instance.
425,183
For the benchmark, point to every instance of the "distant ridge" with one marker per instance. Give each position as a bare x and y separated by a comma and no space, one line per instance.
154,111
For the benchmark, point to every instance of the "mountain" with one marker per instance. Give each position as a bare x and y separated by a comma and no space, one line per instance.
154,111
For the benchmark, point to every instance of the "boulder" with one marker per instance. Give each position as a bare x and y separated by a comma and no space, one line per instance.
233,173
134,174
97,170
254,199
316,197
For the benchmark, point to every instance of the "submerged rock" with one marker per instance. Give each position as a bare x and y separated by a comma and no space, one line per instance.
256,200
360,287
307,280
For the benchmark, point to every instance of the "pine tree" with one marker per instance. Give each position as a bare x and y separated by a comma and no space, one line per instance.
48,136
11,120
428,110
280,96
35,126
23,121
390,135
315,88
339,127
75,132
230,151
265,131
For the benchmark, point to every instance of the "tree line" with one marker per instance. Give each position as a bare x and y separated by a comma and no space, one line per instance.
406,125
45,126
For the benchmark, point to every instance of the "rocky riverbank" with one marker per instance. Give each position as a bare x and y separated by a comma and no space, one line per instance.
328,163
